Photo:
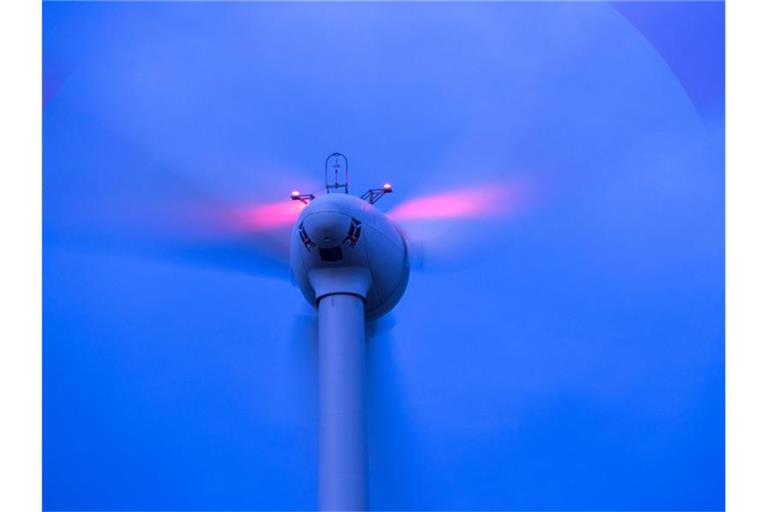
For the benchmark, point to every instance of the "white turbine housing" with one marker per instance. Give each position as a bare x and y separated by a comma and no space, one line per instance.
341,244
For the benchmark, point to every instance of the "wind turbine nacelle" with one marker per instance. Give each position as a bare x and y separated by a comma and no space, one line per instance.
342,244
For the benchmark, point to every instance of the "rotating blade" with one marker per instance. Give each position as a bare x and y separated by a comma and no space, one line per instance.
125,201
447,230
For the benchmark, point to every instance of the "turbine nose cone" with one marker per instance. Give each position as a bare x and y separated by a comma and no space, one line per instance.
327,228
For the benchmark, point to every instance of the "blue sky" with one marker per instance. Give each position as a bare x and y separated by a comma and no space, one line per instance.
570,357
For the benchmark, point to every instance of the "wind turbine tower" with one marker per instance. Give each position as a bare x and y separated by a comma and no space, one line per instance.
351,263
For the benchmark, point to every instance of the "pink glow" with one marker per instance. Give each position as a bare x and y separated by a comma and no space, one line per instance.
271,215
477,202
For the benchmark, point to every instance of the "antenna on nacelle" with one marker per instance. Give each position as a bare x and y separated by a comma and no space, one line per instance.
337,178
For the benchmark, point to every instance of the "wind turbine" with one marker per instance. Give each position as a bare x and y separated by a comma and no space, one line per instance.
350,262
137,121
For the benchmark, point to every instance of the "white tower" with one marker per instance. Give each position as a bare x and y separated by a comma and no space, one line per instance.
350,262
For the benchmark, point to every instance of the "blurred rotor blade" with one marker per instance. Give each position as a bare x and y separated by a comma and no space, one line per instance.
482,201
125,201
270,216
450,230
